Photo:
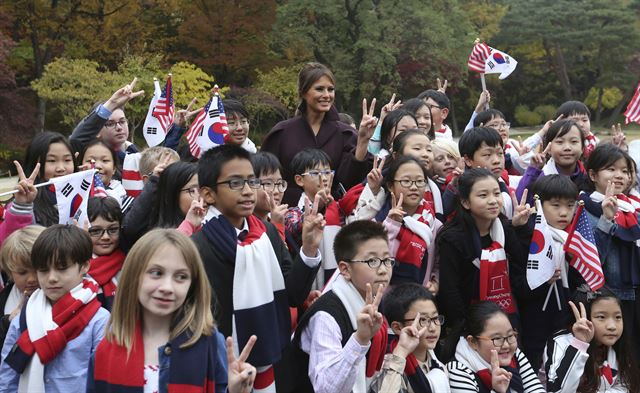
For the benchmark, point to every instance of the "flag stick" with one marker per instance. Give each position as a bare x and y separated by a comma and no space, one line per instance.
484,88
16,190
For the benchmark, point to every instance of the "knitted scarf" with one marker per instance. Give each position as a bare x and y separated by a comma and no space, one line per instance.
46,330
482,369
494,269
415,236
191,369
628,228
263,310
419,381
104,269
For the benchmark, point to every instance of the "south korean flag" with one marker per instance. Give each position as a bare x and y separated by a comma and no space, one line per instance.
72,194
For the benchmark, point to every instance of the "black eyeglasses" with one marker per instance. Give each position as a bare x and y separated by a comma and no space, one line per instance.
97,232
425,321
406,183
375,263
431,106
238,184
270,185
193,192
112,124
499,341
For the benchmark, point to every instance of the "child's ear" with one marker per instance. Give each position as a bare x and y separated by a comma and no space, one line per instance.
465,203
345,270
208,195
468,161
298,180
473,343
84,268
592,175
445,113
396,327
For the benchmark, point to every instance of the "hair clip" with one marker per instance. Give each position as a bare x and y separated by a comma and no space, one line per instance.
591,295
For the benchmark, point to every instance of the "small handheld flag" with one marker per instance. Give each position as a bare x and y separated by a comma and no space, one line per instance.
72,193
487,60
160,114
210,128
632,114
540,264
581,243
131,178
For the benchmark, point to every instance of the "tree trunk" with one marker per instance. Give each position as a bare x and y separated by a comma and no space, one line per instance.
621,104
454,120
42,108
561,69
599,106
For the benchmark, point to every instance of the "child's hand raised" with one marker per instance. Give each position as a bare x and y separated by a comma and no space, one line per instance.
409,338
609,203
391,106
396,213
442,87
368,122
369,319
27,191
183,115
374,178
122,96
618,137
196,212
546,126
240,374
500,378
165,161
521,211
312,227
277,211
583,328
483,102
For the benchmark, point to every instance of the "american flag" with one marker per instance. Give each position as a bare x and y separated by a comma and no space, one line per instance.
164,107
194,129
97,187
478,57
632,114
582,245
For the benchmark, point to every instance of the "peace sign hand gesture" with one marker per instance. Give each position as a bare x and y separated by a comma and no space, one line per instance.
583,328
521,211
196,212
369,319
409,338
183,115
618,139
312,227
241,374
374,178
27,192
368,122
442,87
277,211
391,106
609,203
396,213
500,378
122,96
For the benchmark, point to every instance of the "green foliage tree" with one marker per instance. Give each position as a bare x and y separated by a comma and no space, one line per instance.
282,84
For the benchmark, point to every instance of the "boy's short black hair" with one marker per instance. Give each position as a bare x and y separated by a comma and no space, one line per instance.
486,116
351,236
439,97
235,106
61,245
346,118
309,159
554,186
398,300
107,208
211,163
265,163
572,108
472,139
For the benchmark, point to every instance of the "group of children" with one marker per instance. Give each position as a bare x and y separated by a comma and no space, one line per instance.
415,279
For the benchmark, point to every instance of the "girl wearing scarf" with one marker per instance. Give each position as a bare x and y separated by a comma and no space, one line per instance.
481,257
595,355
487,358
162,326
614,218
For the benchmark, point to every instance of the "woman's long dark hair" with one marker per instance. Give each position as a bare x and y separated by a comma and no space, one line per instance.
627,368
44,208
166,212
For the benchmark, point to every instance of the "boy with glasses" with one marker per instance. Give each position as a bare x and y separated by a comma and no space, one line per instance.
248,265
312,172
238,122
342,338
412,364
439,104
269,205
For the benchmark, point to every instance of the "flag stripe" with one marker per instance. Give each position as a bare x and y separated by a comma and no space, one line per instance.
632,114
